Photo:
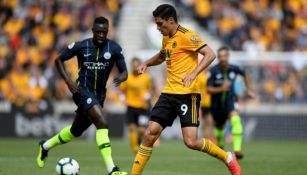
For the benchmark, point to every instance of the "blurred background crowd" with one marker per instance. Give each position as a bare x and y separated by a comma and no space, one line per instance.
31,35
34,31
264,25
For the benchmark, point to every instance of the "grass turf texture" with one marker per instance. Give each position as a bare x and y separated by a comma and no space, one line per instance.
17,156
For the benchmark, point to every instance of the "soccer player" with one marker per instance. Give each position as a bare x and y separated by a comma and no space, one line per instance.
205,103
137,90
221,87
96,57
180,96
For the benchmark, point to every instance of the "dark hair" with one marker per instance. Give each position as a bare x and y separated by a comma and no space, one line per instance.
223,48
101,20
165,11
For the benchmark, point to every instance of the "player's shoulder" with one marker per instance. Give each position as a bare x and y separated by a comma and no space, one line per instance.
234,67
186,32
114,44
79,44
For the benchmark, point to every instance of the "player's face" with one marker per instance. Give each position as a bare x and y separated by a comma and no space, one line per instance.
163,25
223,56
100,32
135,64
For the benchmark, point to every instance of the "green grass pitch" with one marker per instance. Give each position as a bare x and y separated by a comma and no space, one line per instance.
17,156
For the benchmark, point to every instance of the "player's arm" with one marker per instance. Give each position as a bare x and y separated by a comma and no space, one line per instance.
211,89
220,89
153,61
122,68
65,55
248,85
208,58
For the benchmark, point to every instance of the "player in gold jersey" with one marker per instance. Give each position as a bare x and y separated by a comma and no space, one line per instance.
205,103
180,96
138,90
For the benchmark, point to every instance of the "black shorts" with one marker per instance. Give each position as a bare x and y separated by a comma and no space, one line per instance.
169,106
137,116
220,116
85,100
205,110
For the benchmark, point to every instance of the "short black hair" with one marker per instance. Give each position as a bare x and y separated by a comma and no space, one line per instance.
223,48
165,11
101,20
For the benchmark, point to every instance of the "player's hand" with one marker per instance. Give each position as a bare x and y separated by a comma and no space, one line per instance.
142,69
188,79
73,87
226,85
251,94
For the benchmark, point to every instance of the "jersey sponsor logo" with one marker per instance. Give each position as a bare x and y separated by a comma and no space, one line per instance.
89,100
71,45
96,66
87,55
107,55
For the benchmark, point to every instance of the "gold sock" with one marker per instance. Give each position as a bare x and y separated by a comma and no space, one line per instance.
214,150
133,141
141,159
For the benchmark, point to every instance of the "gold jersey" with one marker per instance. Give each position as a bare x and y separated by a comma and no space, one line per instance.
137,90
181,58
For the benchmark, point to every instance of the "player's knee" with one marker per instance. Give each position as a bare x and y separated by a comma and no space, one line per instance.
191,143
100,123
150,137
76,132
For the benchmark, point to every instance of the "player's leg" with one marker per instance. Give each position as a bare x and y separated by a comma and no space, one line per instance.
205,145
132,127
152,133
162,115
188,111
219,118
95,114
207,123
219,132
142,123
80,124
236,131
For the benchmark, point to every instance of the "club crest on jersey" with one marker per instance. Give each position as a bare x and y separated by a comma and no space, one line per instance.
107,55
174,44
89,100
71,45
96,65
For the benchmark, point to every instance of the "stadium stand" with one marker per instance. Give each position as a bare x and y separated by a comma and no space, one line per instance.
31,36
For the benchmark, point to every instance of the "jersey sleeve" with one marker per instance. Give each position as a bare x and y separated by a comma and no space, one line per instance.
70,51
210,81
239,70
120,59
192,42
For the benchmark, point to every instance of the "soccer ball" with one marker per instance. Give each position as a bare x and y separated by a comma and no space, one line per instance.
67,166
